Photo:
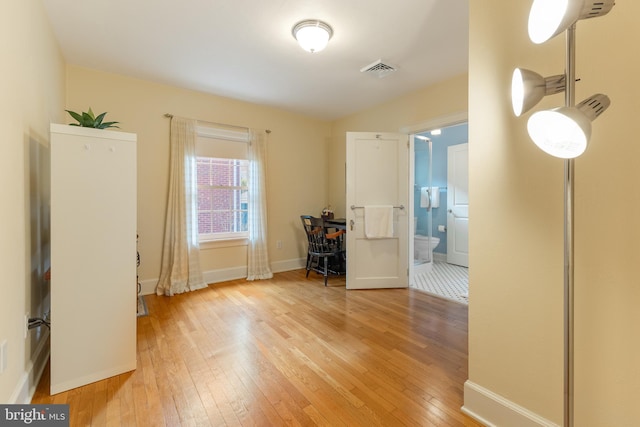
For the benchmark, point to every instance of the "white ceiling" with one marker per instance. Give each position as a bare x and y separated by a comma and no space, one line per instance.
244,49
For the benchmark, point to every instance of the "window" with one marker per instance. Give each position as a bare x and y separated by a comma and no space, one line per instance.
222,197
222,175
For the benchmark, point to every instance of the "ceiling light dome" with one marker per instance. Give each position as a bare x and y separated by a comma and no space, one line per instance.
312,35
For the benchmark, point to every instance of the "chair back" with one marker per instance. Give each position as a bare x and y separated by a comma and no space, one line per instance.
314,228
326,253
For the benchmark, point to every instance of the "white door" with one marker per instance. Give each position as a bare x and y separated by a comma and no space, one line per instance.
458,205
377,174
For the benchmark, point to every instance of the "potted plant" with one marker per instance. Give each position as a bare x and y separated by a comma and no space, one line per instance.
89,120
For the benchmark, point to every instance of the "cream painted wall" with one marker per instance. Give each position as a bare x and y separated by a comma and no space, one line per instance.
296,166
32,87
516,226
443,99
516,197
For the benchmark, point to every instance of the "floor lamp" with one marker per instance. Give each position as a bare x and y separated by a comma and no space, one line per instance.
562,132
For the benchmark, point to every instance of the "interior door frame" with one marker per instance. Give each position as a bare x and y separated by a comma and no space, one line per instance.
435,123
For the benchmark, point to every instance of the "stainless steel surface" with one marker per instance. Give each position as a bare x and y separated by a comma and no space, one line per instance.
568,241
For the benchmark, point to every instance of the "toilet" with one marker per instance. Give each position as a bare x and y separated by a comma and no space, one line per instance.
421,244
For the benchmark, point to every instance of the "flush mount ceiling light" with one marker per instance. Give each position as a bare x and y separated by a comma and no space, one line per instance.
312,35
529,87
564,132
548,18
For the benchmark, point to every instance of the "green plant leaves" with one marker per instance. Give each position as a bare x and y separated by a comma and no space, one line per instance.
108,125
88,120
75,115
98,120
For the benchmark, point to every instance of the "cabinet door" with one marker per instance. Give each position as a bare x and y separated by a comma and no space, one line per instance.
93,255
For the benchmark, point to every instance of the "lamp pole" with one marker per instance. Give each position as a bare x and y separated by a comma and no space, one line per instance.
569,164
546,20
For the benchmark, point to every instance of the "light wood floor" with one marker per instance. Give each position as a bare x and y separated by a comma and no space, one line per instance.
287,351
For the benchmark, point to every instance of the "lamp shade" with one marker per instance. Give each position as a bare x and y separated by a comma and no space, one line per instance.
529,87
548,18
564,132
312,35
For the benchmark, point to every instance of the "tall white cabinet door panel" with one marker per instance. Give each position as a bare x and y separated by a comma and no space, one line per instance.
93,255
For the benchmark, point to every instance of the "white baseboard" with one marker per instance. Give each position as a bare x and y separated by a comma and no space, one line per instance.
29,380
437,256
288,265
148,287
494,410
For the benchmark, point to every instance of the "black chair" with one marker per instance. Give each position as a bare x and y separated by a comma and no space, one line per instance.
326,252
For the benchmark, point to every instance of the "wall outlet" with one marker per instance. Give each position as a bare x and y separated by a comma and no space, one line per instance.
3,356
279,244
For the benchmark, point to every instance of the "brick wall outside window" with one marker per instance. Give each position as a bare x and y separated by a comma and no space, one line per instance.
222,195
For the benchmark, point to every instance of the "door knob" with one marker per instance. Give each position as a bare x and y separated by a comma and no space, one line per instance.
351,223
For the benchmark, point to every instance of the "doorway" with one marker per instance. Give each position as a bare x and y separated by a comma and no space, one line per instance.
394,191
440,233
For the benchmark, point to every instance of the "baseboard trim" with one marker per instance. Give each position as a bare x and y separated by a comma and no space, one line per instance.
494,410
438,257
148,287
288,265
30,379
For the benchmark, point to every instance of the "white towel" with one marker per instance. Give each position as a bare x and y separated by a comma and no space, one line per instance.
435,197
425,200
378,222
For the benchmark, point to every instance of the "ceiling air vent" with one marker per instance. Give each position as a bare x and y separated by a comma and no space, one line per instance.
379,69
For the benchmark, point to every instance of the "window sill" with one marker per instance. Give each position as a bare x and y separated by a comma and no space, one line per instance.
224,243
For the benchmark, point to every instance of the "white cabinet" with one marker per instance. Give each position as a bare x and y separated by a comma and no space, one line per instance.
93,255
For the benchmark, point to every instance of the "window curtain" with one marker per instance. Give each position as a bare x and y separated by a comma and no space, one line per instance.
258,258
180,270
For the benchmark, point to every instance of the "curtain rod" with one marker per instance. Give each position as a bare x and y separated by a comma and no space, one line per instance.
218,124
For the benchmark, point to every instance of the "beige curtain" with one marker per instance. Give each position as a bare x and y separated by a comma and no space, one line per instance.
258,257
180,269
